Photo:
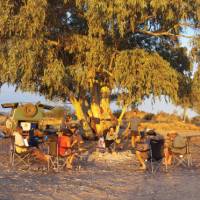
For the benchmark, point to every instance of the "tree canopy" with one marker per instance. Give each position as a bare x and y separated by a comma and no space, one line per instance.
82,50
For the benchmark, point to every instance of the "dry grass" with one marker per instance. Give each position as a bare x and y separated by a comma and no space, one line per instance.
130,114
2,119
163,122
164,117
164,127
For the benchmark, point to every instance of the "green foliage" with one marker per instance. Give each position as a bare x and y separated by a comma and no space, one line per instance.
196,120
72,48
196,91
140,74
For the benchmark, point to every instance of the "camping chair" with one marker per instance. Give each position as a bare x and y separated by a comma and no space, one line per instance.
56,162
16,158
50,148
156,154
180,154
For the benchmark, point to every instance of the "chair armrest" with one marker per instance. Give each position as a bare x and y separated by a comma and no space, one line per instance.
24,147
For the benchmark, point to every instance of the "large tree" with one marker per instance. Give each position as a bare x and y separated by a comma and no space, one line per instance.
195,92
85,51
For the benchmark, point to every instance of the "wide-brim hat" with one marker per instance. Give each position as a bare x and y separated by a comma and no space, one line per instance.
73,124
67,132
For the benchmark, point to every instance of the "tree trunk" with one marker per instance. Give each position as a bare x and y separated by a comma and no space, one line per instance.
100,109
185,114
87,131
120,117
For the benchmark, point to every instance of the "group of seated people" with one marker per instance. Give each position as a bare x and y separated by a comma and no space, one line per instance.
108,140
173,144
140,143
67,143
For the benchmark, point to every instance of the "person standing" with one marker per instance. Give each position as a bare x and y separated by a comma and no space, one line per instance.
135,122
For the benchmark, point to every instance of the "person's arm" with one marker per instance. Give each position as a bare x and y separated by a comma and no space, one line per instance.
74,141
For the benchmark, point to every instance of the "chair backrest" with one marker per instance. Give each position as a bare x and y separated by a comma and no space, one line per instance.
5,145
157,149
179,142
53,145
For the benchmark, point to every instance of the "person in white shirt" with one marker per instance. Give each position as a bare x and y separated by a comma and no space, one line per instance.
21,145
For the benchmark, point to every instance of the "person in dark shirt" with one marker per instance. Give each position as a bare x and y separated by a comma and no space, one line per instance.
110,137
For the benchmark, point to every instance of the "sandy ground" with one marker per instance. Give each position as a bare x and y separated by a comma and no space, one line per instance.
102,180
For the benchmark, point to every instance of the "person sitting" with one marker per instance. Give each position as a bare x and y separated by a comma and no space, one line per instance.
110,137
65,143
167,148
101,146
35,138
175,144
141,145
21,146
77,139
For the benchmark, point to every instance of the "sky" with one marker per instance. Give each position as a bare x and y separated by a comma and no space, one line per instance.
8,94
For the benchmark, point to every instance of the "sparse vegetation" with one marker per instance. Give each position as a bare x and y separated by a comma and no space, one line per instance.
165,117
196,120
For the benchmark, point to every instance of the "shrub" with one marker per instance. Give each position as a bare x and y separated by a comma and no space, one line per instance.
148,116
196,120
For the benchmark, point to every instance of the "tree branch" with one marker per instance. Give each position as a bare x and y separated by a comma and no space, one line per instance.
166,33
53,42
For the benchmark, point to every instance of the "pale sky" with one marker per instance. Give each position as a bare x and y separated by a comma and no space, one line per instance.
8,95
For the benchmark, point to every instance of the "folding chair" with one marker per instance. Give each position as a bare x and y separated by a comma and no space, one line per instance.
181,156
156,154
56,162
16,158
50,148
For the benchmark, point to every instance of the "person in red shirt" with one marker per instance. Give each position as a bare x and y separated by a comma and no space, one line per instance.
65,144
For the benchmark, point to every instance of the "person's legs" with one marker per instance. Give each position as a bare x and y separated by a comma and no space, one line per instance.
40,155
168,157
69,161
141,160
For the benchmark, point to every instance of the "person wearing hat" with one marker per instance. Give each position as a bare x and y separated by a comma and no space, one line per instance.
64,147
77,139
66,142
